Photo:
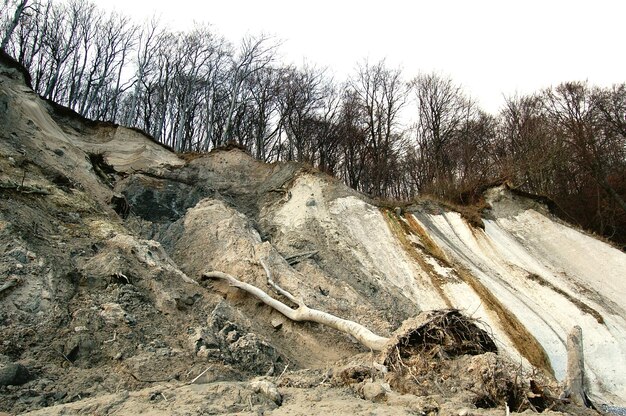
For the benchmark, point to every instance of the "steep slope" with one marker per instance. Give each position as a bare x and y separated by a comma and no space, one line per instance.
530,277
105,234
549,275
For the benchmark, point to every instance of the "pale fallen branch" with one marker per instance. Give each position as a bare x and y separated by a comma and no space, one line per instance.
278,289
200,375
303,312
63,355
283,373
112,339
121,276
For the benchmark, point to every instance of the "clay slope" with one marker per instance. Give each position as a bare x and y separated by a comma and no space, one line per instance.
105,234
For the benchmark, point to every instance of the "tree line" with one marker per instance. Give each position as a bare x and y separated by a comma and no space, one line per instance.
379,131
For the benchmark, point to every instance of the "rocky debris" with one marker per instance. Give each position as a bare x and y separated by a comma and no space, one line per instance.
621,411
277,323
374,391
233,344
112,313
268,389
14,374
104,235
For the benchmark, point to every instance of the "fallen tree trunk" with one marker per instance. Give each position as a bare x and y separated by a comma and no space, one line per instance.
575,380
303,312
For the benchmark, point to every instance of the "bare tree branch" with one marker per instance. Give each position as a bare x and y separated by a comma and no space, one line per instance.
13,24
303,312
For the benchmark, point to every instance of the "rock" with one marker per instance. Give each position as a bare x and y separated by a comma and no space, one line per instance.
277,323
255,355
59,395
464,412
398,211
232,336
373,391
14,374
130,319
112,313
383,369
311,202
19,254
268,389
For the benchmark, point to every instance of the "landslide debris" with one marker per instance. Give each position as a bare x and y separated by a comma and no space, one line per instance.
104,234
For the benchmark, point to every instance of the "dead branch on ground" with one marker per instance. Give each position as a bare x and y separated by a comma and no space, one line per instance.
303,312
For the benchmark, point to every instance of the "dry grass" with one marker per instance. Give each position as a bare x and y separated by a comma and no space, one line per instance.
230,146
472,213
430,245
523,340
401,228
189,156
391,203
580,304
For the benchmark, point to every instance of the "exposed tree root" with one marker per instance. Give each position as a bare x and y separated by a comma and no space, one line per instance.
422,353
303,312
445,333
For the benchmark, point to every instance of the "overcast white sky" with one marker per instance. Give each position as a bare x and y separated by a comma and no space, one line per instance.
490,47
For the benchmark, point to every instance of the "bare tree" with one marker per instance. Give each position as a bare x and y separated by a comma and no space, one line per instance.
265,117
473,154
443,112
525,152
26,44
325,130
149,39
353,136
382,94
12,24
255,54
302,94
578,122
611,103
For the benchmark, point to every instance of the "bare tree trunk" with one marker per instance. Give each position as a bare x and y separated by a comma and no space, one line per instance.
575,381
231,109
16,19
611,191
304,313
